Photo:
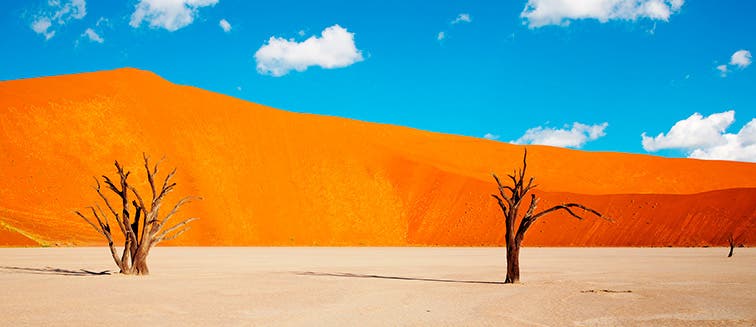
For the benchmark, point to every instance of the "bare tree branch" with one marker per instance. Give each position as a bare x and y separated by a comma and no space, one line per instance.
501,191
111,186
90,222
567,207
162,235
177,234
137,196
501,204
150,174
175,210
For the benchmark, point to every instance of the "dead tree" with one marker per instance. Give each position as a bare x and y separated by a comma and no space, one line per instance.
139,222
731,240
510,199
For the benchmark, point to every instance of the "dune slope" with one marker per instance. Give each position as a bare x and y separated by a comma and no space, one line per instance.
271,177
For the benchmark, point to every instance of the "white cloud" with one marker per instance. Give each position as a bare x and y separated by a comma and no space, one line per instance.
539,13
168,14
695,131
574,137
462,18
92,36
723,70
225,25
57,14
102,21
335,48
491,136
706,138
741,58
42,26
67,10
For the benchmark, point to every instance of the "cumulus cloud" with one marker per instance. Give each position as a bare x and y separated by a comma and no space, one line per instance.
573,137
56,14
741,59
92,36
539,13
462,18
706,138
225,25
491,136
693,132
168,14
335,48
441,36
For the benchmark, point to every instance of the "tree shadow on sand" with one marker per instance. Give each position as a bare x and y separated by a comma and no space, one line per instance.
54,271
350,275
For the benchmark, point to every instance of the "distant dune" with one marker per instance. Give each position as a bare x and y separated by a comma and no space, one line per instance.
271,177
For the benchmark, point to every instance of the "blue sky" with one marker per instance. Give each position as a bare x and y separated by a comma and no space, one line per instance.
587,74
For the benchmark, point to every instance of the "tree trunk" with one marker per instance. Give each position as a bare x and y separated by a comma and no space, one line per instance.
140,262
731,240
513,264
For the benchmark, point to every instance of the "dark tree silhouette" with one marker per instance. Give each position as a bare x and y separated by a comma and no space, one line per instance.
510,199
731,240
143,229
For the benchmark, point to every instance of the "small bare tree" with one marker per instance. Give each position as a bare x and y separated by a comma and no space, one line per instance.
734,242
142,230
510,199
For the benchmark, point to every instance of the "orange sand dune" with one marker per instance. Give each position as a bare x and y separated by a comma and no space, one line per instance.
271,177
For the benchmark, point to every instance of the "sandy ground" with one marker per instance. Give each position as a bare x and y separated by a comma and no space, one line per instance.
381,287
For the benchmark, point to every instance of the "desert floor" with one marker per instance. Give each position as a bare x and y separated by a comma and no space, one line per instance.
381,286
